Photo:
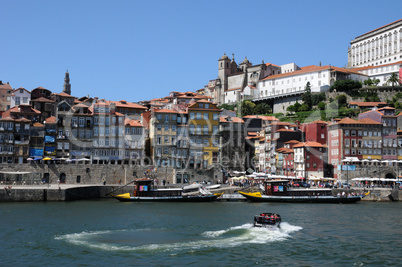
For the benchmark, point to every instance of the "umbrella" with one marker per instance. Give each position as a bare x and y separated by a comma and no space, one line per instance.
29,158
47,158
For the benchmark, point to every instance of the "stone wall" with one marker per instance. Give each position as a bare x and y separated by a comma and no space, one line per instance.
112,174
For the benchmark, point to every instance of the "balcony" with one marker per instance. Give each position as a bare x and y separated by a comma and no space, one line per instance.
24,142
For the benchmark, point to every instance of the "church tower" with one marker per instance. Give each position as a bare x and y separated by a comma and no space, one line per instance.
67,85
224,70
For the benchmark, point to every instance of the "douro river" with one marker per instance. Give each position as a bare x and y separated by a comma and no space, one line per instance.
111,233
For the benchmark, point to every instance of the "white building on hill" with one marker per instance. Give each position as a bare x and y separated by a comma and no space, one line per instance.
377,47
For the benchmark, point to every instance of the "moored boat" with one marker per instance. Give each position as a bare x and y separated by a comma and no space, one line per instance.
267,220
144,191
278,191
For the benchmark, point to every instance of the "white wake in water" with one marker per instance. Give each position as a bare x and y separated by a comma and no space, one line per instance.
232,237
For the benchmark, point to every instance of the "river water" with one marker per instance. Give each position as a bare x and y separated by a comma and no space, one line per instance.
110,233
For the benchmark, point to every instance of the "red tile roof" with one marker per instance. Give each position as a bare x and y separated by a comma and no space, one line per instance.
308,69
232,119
309,144
51,119
42,99
368,121
132,123
368,104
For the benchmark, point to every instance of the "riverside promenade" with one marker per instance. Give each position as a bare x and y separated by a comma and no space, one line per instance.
71,192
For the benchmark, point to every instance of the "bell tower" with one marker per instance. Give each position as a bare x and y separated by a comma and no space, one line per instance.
67,85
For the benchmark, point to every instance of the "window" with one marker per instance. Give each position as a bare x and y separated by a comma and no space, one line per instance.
166,127
205,129
347,142
215,116
206,116
198,115
346,132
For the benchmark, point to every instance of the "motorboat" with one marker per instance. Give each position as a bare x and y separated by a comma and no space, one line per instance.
267,220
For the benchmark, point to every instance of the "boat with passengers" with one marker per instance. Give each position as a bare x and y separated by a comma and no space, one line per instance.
144,190
267,220
278,191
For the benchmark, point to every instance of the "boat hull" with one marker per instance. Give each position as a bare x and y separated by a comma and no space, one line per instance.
301,199
125,198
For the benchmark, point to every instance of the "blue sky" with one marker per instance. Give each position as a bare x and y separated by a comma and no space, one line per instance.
139,50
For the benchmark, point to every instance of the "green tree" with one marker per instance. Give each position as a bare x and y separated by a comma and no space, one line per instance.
393,79
321,106
368,82
342,100
262,108
247,108
346,85
297,106
304,107
307,97
227,106
317,98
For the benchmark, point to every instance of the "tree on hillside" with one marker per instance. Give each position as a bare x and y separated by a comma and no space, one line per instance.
247,108
227,106
262,108
307,97
393,79
342,100
346,85
317,98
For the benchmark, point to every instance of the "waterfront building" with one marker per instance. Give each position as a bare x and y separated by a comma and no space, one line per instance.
79,122
163,137
108,129
315,131
23,111
20,96
204,134
310,159
131,110
50,141
232,143
134,141
385,116
348,138
370,144
36,141
377,47
6,140
63,115
41,100
256,123
21,140
6,92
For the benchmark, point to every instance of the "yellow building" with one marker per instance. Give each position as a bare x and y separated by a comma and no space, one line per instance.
204,134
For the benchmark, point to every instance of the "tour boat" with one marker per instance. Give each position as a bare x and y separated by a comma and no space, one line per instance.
267,220
144,191
277,191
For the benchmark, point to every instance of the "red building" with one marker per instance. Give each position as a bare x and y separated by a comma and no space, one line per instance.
315,131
